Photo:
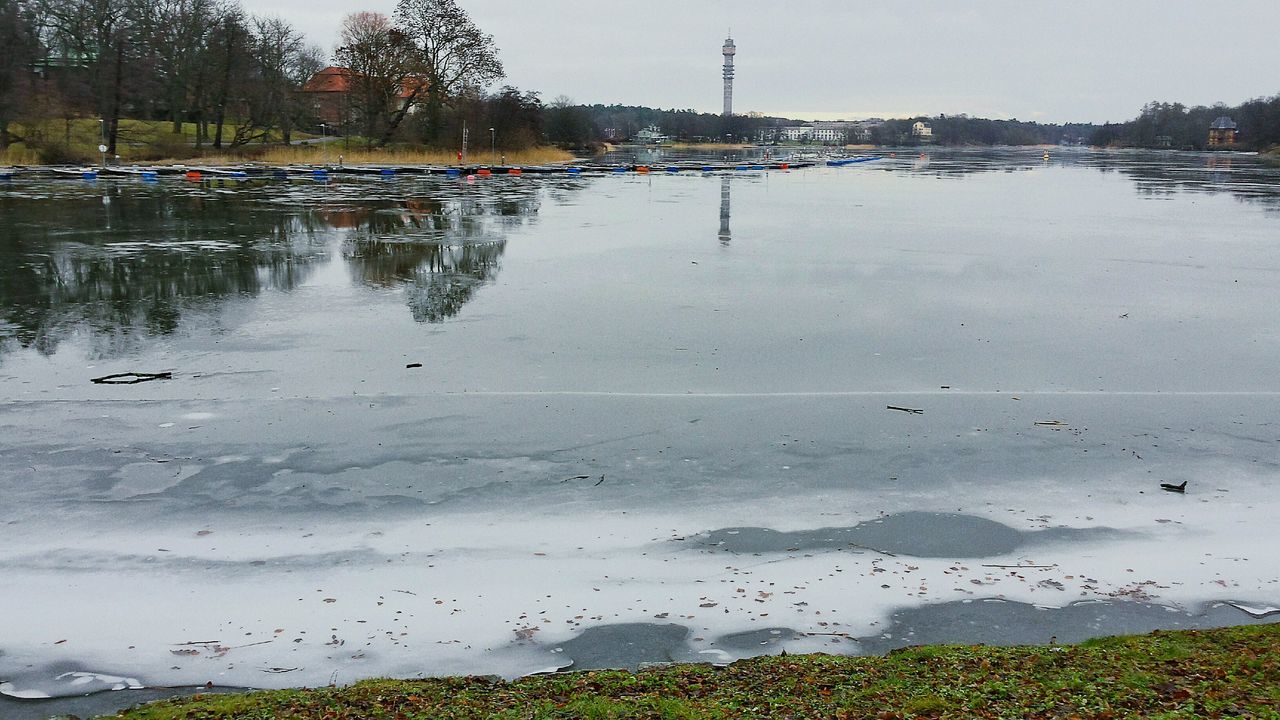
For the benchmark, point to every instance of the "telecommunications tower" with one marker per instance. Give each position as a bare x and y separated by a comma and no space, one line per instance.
729,50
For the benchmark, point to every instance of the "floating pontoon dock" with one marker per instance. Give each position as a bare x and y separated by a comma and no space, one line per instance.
257,171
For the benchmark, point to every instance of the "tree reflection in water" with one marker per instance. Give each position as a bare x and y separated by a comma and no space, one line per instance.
96,265
120,263
441,249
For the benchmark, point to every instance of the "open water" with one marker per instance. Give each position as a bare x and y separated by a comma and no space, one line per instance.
422,426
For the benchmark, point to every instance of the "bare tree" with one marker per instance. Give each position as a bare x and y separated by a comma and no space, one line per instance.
176,35
454,54
267,98
95,34
17,51
230,48
384,73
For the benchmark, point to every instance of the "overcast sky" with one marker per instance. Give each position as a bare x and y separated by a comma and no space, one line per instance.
1077,60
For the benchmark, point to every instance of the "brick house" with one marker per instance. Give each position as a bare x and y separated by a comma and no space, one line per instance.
1223,132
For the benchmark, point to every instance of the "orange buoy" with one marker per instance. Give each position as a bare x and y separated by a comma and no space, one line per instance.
193,175
484,171
784,166
515,171
642,168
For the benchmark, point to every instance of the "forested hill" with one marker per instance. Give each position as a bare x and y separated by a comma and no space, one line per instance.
580,124
1174,125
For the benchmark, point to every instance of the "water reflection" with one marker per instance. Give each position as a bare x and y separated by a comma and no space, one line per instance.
725,235
119,262
439,278
1153,173
1244,177
98,263
441,249
122,263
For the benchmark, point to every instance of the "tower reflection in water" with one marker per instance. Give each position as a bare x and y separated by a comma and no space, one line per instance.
725,235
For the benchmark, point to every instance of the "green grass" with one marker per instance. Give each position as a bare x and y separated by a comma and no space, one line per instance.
78,140
1232,672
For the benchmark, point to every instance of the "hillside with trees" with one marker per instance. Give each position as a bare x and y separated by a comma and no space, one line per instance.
1176,126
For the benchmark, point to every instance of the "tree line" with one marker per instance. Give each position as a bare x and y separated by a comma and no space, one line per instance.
417,77
237,77
207,62
962,130
1174,125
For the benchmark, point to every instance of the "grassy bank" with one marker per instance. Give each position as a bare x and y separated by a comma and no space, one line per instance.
76,141
1196,674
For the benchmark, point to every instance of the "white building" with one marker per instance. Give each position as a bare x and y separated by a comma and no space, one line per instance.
651,135
919,129
832,133
828,133
795,133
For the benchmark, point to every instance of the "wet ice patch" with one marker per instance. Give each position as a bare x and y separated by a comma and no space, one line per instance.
149,478
918,534
758,641
999,622
912,533
1257,611
627,645
66,684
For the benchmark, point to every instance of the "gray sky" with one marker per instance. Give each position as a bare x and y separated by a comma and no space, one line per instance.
1085,60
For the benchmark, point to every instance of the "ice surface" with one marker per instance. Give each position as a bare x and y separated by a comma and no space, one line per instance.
605,387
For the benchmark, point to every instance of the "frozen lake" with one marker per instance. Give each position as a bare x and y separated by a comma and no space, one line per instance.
651,419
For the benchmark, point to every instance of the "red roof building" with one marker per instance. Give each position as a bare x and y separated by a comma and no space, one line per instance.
329,91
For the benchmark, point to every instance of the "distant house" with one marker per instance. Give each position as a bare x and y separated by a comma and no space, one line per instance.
329,92
1223,132
920,130
651,135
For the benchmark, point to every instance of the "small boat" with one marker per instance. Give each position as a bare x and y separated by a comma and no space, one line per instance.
86,173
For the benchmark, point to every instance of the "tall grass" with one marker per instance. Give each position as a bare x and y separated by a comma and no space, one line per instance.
76,141
18,154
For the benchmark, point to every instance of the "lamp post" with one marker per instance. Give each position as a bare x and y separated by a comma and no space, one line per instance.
493,144
324,146
102,134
